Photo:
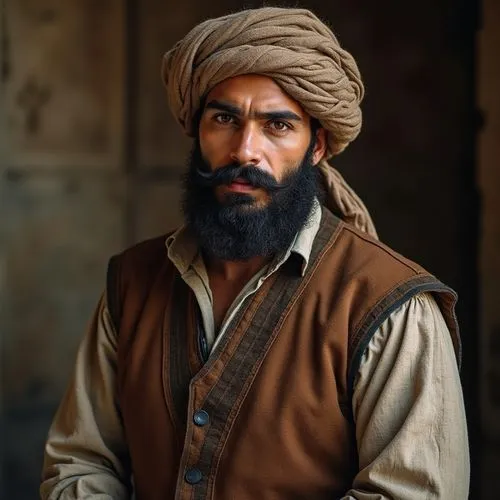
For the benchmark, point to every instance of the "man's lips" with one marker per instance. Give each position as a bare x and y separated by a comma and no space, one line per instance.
240,186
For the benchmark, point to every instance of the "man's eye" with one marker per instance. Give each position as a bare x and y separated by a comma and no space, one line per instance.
223,118
280,126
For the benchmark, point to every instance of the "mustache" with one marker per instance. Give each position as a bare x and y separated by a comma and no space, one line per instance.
229,173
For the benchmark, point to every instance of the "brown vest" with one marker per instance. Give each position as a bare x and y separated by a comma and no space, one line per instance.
268,415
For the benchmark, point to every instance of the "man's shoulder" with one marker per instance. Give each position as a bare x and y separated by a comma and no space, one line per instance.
130,275
140,262
369,250
358,250
146,248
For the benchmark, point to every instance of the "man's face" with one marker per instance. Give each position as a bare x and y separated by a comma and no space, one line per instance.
249,120
251,180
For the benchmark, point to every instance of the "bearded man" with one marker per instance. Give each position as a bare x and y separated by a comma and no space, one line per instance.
271,348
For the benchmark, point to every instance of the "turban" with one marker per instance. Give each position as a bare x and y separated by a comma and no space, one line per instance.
300,53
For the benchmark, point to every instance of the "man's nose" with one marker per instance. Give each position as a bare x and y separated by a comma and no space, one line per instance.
247,146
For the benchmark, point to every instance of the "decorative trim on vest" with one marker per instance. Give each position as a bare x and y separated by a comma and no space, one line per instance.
262,320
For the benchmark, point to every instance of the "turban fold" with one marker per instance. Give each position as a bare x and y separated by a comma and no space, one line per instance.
293,47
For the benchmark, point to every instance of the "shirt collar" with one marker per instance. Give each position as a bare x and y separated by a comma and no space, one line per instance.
182,248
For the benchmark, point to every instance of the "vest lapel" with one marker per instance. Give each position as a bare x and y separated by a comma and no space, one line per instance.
221,385
182,357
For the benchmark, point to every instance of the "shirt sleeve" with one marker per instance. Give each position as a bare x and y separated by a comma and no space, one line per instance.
86,454
409,412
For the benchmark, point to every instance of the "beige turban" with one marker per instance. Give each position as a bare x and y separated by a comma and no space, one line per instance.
300,53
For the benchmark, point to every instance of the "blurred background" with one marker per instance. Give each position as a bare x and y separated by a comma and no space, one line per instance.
91,158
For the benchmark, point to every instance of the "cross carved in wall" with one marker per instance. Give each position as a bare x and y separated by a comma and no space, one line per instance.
31,98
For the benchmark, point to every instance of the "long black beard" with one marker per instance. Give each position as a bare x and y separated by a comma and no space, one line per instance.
236,229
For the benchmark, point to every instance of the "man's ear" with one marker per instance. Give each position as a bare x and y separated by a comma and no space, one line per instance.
319,146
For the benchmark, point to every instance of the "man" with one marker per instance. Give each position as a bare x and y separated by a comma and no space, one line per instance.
267,349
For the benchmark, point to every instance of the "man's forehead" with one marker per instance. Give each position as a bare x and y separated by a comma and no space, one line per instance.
259,92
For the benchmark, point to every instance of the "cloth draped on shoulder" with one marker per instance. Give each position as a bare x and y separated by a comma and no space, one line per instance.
301,54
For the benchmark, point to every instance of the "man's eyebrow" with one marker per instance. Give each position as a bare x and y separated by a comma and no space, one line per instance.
267,115
278,115
223,106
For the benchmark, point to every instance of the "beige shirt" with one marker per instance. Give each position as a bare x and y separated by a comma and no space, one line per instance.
408,405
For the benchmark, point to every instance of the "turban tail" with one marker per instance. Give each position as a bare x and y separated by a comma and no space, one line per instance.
343,201
300,53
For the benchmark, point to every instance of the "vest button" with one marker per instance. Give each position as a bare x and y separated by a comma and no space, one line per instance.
193,475
201,418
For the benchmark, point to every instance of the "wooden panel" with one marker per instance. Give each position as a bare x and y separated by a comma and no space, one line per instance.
489,178
64,81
